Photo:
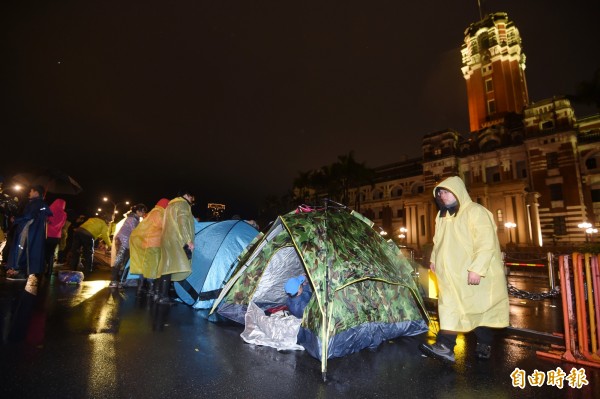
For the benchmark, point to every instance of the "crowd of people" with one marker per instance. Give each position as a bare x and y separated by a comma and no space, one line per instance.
466,257
157,245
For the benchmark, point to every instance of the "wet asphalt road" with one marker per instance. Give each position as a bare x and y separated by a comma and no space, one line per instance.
90,341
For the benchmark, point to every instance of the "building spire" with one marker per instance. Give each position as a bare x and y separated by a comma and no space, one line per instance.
479,6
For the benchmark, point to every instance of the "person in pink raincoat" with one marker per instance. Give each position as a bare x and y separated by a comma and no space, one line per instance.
54,227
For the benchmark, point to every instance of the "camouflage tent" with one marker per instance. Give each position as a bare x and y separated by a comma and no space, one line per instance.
364,292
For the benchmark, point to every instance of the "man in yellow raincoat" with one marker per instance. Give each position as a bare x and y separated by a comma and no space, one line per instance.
467,261
177,244
144,243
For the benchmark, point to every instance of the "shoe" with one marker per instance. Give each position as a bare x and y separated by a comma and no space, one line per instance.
483,351
32,284
11,272
16,276
438,351
166,301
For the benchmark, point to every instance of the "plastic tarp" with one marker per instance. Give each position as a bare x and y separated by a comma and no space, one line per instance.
278,331
217,246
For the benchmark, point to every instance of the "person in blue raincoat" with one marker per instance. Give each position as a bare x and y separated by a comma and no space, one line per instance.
27,253
299,293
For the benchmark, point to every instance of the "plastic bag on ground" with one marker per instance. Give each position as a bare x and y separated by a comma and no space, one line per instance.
277,331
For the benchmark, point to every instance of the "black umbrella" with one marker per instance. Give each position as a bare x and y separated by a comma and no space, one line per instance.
53,181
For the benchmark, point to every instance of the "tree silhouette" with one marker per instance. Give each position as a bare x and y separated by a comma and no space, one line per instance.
334,181
351,174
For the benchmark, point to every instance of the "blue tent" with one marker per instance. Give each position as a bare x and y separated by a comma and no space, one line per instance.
217,247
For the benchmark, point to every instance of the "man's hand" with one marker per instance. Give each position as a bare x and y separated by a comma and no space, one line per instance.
473,278
432,267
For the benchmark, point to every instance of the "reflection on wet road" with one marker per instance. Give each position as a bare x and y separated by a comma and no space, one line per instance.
92,341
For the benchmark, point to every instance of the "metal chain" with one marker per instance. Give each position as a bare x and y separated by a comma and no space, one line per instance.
533,295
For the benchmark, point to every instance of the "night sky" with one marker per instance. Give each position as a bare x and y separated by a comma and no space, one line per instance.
136,99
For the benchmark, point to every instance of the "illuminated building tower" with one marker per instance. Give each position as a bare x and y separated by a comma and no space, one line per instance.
216,211
494,69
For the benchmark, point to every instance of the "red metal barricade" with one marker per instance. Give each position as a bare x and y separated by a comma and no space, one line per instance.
580,289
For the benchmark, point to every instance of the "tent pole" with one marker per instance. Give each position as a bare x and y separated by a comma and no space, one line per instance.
325,333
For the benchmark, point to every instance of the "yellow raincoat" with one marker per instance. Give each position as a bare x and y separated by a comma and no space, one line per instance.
98,229
144,244
467,241
178,230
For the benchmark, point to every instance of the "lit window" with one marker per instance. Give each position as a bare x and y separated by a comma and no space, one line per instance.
499,216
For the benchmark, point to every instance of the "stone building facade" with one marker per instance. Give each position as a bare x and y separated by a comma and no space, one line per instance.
533,164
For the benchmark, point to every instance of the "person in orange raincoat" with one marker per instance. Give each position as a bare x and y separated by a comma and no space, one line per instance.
144,244
467,262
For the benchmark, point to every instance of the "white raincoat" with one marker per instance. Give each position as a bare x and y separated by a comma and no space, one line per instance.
467,241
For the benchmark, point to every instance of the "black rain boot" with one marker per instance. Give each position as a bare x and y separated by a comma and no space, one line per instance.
164,291
114,279
140,287
150,287
157,284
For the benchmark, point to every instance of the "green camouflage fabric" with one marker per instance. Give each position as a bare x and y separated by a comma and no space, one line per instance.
368,281
357,276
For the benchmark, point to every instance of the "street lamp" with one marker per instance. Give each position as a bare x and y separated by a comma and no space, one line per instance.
510,226
403,233
585,226
115,211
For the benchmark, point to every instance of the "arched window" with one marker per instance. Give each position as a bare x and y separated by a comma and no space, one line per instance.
377,194
397,192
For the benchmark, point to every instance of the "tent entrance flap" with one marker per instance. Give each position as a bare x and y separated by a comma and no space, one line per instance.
284,264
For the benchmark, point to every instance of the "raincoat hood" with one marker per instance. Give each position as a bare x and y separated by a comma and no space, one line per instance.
57,220
455,185
163,202
58,205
